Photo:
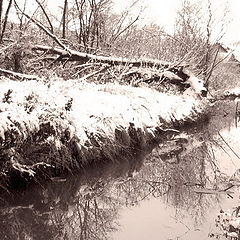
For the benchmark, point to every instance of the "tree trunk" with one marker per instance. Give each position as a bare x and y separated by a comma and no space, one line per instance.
1,5
64,19
5,20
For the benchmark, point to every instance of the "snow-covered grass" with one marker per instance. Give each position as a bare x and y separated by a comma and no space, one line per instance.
67,124
234,92
230,94
227,224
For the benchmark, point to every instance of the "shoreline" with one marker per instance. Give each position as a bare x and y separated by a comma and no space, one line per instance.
66,125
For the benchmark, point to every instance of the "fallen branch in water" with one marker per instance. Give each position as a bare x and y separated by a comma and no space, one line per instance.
213,191
228,145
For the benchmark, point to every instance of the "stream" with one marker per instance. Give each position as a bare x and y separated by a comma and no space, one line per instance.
175,192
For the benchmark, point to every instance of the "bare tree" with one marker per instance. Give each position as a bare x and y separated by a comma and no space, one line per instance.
89,17
194,37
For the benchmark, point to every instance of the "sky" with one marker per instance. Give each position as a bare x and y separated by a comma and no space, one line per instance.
233,29
163,13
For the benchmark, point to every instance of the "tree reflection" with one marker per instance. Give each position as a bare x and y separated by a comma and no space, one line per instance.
173,176
78,207
86,206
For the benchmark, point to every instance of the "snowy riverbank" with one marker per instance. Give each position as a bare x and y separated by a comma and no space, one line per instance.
68,124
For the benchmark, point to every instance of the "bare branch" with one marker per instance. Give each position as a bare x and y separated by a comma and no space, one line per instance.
18,75
46,15
123,30
54,37
95,73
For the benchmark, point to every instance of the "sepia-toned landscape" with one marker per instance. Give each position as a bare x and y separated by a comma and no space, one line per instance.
113,127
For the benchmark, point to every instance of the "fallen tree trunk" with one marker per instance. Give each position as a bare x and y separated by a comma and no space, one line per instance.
72,55
161,71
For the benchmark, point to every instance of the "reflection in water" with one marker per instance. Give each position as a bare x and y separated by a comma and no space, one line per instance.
81,207
88,206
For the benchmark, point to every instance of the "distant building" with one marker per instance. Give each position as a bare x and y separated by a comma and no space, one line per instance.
226,54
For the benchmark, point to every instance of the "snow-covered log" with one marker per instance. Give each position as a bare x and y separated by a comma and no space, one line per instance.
72,55
156,70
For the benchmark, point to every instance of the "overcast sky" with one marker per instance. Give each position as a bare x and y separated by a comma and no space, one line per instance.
163,12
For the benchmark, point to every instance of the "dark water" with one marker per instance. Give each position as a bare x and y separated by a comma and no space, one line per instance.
172,193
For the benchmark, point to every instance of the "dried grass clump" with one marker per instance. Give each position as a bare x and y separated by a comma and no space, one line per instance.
45,129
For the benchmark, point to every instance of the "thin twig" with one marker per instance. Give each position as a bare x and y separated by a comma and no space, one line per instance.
96,72
46,15
8,46
228,145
